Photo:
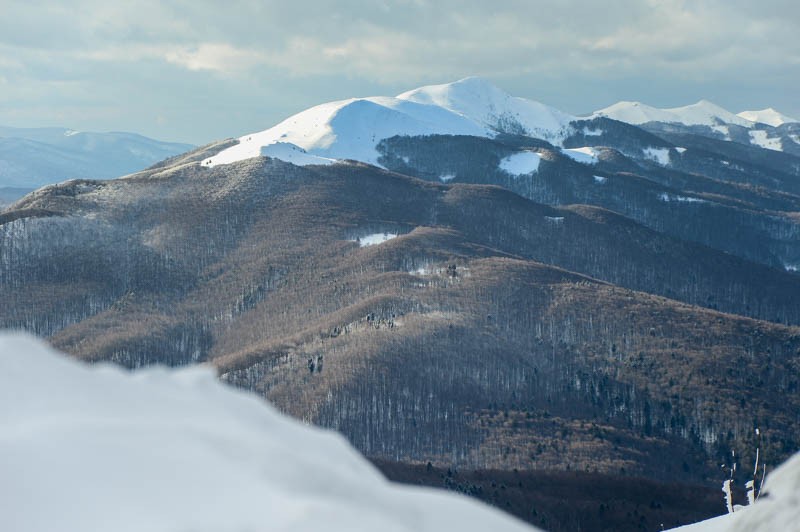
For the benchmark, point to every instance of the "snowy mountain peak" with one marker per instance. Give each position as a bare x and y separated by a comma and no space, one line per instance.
708,113
634,113
704,113
352,129
768,116
484,103
471,90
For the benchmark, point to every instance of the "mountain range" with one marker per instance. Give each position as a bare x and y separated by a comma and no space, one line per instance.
34,157
453,276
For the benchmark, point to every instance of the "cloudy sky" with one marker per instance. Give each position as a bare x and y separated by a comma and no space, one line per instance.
194,70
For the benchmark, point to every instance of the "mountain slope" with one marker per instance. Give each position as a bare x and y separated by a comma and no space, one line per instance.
30,158
351,129
702,113
757,128
344,293
495,109
668,177
767,116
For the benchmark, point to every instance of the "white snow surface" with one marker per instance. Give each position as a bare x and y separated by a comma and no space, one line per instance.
780,510
494,109
97,448
703,113
351,129
521,163
760,138
659,155
293,154
682,199
375,239
768,116
585,155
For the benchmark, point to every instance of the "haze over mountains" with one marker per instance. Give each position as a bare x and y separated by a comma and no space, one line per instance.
455,276
34,157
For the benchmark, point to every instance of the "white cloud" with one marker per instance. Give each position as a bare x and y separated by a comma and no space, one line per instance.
570,54
215,57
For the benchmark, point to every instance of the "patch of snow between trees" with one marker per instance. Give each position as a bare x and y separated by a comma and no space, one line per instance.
760,138
659,155
683,199
522,163
374,239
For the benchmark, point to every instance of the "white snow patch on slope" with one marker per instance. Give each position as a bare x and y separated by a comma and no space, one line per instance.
522,163
768,116
795,138
760,138
779,510
374,239
726,133
446,178
97,448
585,155
659,155
351,129
293,154
683,199
600,179
680,150
701,113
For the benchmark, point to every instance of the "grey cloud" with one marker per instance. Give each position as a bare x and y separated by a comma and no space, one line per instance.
275,57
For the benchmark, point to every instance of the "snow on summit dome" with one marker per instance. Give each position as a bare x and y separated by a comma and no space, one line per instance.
768,116
490,106
351,129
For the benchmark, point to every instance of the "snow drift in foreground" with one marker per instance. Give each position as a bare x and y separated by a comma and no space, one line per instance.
87,448
352,129
777,509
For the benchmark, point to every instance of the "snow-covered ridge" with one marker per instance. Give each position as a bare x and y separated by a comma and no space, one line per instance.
33,157
703,113
768,116
494,109
351,129
98,448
